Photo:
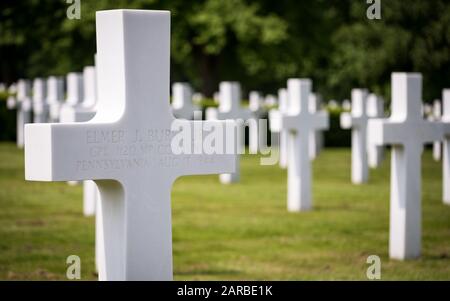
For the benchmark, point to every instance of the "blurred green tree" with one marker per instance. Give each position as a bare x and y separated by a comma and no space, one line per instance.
259,43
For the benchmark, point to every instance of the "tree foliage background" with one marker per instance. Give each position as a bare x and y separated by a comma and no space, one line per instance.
259,43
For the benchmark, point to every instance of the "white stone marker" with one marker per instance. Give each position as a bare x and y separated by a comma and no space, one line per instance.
230,109
40,107
126,148
299,122
357,121
333,104
283,107
346,105
182,106
11,102
55,96
437,116
74,89
79,109
446,146
24,107
316,137
270,100
375,109
406,131
256,135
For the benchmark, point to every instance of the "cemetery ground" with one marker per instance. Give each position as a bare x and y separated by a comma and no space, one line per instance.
233,232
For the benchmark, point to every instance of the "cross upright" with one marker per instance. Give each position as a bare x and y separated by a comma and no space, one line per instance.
40,107
406,131
230,109
55,95
446,145
24,107
126,147
283,109
299,122
437,116
357,121
257,136
375,109
316,137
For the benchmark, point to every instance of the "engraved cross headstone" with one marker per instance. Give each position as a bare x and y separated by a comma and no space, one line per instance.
126,147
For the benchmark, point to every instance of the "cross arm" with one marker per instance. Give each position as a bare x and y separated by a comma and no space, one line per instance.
61,152
384,132
321,120
210,151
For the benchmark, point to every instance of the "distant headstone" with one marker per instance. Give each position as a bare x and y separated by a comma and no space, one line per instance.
230,109
299,122
55,96
197,97
126,148
257,135
406,131
283,107
40,106
182,106
11,101
316,137
333,104
357,121
436,115
80,105
346,105
270,100
24,108
446,146
375,109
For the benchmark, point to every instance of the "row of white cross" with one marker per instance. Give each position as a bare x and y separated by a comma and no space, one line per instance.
125,148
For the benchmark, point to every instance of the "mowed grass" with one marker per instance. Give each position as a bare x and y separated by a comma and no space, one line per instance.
240,231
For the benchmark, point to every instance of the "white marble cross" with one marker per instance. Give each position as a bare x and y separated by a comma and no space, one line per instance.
299,122
316,137
375,109
40,107
406,131
126,148
257,136
283,106
446,146
55,96
24,108
230,109
357,121
182,106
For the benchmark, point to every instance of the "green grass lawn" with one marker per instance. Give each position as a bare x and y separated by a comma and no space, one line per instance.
240,231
